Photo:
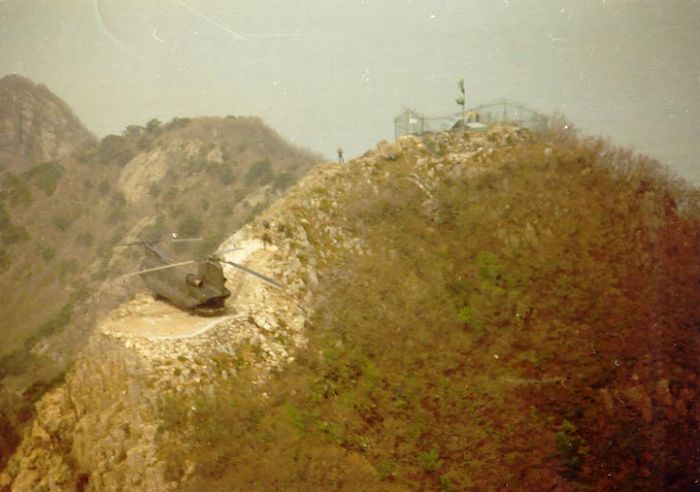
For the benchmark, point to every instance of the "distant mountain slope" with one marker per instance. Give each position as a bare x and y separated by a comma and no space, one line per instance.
35,125
61,224
461,311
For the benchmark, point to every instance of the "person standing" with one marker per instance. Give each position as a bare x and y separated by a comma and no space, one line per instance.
340,156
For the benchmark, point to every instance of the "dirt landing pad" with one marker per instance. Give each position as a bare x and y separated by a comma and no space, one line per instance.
157,320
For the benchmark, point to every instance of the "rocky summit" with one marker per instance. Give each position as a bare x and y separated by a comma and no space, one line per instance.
35,125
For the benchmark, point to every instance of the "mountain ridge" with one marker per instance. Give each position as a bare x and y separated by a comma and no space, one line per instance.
36,125
450,275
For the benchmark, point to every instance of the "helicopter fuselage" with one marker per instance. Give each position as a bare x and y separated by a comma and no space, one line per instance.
202,290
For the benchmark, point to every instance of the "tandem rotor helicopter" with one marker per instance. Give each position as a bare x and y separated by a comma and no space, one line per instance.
199,289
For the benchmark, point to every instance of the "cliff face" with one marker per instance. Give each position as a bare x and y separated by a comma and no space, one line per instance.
35,125
97,417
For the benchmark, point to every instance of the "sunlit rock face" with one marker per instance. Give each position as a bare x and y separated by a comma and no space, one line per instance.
35,124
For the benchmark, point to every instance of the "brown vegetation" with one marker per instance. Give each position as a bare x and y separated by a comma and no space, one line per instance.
533,327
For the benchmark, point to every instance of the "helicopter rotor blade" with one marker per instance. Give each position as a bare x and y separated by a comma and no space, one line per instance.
162,267
219,253
137,243
170,240
254,273
184,239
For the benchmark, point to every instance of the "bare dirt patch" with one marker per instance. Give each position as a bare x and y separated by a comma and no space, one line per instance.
153,319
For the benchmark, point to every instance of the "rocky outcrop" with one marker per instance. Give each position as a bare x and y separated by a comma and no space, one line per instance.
148,168
35,125
97,428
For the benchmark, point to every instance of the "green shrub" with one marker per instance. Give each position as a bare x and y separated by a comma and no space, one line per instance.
66,267
47,252
115,215
176,123
490,296
117,206
223,172
116,150
62,222
154,190
572,447
153,125
16,362
170,194
15,190
9,232
429,460
133,131
284,181
104,187
50,326
46,176
118,200
259,173
227,209
189,226
86,239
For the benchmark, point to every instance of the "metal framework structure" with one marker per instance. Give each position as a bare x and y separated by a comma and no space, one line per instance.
411,122
505,111
502,111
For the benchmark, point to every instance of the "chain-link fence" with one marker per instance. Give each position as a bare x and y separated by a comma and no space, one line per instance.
413,123
500,112
509,112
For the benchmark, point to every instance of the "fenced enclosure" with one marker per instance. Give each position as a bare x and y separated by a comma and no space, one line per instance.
413,123
503,111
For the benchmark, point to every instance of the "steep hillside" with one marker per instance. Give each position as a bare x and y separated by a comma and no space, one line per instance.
62,221
463,311
35,125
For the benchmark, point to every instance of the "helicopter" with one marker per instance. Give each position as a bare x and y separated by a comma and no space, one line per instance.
200,290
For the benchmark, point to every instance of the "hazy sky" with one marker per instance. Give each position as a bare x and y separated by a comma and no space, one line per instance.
336,72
